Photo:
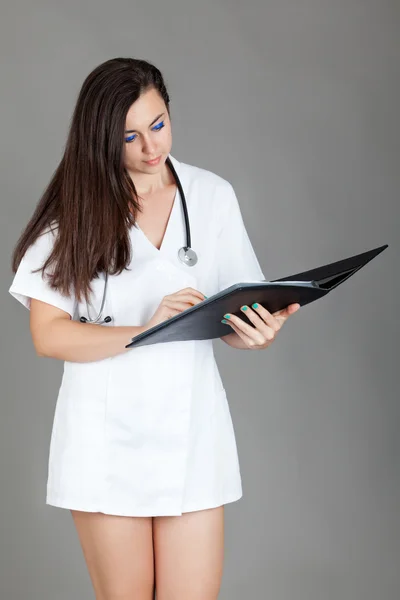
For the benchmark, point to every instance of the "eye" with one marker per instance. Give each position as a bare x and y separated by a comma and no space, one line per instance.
159,126
156,128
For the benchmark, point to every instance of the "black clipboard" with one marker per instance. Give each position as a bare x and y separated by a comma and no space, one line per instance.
203,321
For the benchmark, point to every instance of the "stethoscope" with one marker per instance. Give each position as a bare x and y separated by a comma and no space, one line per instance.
185,254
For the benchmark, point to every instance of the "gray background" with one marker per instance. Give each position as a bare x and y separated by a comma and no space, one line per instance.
295,102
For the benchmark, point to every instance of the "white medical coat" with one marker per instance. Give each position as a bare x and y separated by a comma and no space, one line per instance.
149,432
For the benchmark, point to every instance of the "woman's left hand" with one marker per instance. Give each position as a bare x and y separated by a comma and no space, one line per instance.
266,325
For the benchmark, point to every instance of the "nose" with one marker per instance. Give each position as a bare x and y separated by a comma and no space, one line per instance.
148,147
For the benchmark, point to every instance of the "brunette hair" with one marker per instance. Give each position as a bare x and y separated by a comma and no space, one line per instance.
91,201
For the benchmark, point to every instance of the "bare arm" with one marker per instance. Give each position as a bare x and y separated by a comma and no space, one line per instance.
56,335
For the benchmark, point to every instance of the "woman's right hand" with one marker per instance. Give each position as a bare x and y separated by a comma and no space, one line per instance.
173,304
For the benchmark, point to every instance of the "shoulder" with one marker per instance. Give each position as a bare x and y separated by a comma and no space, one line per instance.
204,177
40,249
210,189
206,191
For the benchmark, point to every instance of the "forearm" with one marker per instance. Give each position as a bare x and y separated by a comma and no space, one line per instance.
84,342
235,341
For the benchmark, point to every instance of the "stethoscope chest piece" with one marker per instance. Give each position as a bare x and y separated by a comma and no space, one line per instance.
187,256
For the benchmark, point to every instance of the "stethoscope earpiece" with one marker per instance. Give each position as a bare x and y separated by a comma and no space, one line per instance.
185,254
97,320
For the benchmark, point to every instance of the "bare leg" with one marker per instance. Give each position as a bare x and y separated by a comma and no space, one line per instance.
189,553
118,553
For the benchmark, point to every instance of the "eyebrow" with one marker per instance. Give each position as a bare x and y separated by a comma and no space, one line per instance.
152,123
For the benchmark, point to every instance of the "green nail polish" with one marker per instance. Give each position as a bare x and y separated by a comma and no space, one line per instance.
227,316
255,305
224,321
244,307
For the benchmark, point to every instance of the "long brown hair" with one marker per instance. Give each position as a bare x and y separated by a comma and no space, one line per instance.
91,201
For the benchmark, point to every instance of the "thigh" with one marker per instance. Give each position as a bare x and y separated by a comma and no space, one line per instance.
118,553
189,553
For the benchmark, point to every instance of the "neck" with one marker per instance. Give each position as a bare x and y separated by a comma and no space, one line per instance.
149,184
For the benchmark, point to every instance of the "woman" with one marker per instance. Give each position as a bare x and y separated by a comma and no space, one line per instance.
142,450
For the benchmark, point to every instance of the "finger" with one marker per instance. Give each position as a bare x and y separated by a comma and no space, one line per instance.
256,336
169,312
179,306
268,330
185,298
266,316
285,313
192,291
248,341
288,310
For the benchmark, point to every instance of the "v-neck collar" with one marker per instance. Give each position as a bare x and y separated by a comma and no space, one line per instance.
169,225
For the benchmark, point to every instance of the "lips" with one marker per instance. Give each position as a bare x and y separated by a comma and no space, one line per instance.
155,161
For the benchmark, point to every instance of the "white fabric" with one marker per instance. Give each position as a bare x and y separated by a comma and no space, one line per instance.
27,285
149,432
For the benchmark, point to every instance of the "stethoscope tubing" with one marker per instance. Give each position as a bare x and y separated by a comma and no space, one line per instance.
184,206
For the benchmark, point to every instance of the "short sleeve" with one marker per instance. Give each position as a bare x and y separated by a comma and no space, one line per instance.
237,261
27,285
